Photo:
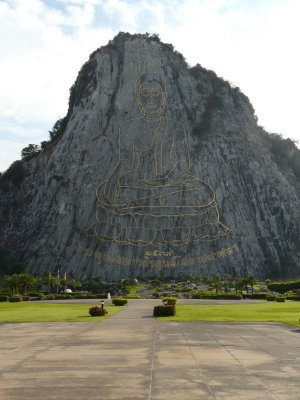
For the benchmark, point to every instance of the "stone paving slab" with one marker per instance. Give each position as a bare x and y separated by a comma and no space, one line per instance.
132,356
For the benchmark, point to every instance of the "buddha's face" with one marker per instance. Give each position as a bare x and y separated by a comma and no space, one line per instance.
151,98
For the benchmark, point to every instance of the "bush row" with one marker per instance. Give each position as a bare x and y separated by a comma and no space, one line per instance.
227,296
279,299
257,296
283,287
291,297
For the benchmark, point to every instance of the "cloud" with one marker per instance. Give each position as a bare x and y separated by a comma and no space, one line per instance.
39,62
253,47
46,42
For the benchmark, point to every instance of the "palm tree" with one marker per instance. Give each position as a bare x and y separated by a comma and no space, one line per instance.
251,280
238,285
216,283
26,281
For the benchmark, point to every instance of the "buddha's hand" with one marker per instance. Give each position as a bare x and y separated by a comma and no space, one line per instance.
111,190
184,179
153,182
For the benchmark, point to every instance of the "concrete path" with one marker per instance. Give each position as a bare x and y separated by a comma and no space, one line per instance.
133,356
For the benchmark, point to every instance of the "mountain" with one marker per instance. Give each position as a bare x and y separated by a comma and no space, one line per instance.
158,169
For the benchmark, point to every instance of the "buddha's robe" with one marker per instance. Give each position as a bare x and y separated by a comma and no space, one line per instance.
151,197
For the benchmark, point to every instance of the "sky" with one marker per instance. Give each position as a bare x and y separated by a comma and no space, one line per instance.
254,44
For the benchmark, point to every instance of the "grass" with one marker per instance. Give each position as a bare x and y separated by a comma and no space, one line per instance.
34,312
286,313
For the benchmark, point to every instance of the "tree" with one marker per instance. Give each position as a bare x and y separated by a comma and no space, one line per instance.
15,173
239,284
44,144
30,151
25,282
216,283
52,282
227,282
12,282
74,285
251,280
58,128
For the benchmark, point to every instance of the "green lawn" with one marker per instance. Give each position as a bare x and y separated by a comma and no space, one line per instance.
35,312
287,313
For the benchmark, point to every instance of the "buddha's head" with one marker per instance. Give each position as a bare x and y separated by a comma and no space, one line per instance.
150,93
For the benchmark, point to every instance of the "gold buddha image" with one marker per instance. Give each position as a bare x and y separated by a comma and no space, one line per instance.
150,198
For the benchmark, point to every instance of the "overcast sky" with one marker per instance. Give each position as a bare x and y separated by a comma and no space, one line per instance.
254,44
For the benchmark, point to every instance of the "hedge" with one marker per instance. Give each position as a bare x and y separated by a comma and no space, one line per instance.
256,296
63,297
82,296
3,298
164,311
169,301
280,299
119,301
36,294
15,299
217,296
282,287
293,297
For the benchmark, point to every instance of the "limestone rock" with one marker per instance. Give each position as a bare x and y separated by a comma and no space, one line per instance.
161,170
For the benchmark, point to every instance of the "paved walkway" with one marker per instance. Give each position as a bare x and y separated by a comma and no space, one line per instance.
133,356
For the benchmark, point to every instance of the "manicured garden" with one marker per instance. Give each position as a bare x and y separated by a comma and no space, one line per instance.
37,312
287,312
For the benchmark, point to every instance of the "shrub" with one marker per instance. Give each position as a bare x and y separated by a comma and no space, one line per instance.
3,298
63,296
271,298
84,296
256,296
293,297
169,301
36,294
133,297
101,296
96,311
164,311
155,295
197,295
119,301
280,299
26,298
283,287
227,296
50,296
15,299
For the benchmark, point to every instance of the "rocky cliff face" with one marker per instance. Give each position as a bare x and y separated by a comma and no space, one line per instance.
161,170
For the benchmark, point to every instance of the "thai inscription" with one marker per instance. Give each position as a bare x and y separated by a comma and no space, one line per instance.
169,261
